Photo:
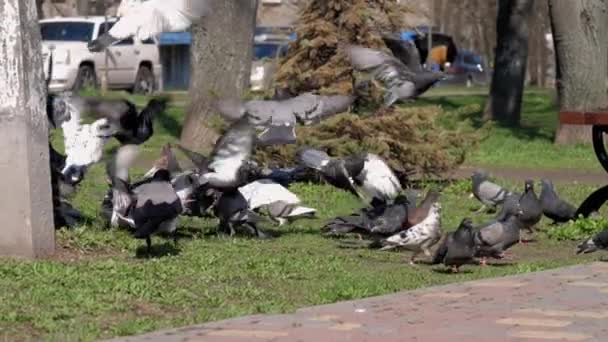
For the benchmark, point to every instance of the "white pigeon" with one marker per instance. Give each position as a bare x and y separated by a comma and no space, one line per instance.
143,20
419,238
281,203
83,143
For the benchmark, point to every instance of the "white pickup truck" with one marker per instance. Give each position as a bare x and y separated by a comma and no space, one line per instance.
130,64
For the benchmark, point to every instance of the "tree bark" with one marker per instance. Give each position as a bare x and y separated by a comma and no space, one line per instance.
506,90
221,57
27,213
579,29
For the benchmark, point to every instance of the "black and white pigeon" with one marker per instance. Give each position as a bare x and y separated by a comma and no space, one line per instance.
458,248
279,203
492,239
419,238
128,125
400,82
365,175
145,19
149,208
599,241
554,207
488,193
379,221
278,118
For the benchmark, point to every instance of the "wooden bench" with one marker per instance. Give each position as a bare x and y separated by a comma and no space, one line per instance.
599,122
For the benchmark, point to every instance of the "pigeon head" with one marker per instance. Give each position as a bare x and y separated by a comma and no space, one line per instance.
479,175
162,175
466,223
401,200
529,185
587,247
546,183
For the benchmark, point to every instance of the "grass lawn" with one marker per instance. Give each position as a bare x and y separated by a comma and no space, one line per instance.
97,286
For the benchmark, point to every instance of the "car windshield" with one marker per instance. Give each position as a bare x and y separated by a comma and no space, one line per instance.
67,31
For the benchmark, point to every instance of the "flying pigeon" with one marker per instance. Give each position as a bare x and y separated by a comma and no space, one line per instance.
227,168
405,50
401,82
149,208
458,248
279,117
365,171
377,221
143,20
83,143
167,161
599,241
280,203
419,238
419,213
488,193
128,125
495,237
553,206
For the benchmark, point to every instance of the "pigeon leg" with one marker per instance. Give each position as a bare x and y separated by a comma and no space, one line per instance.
481,210
175,239
359,237
426,252
149,245
231,229
413,258
454,269
483,261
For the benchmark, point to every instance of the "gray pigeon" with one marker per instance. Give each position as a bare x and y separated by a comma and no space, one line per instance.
149,208
530,206
280,117
401,82
553,206
234,214
599,241
458,248
488,193
494,238
365,171
405,50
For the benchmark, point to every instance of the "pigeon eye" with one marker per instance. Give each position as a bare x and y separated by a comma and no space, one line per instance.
402,235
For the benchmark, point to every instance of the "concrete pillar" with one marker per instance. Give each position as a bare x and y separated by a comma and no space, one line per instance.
26,228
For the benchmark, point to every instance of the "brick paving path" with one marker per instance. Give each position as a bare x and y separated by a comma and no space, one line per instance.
567,304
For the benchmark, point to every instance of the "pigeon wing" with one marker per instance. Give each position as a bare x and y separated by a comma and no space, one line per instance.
312,158
405,51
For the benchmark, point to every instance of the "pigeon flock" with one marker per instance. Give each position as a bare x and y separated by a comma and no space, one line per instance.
228,185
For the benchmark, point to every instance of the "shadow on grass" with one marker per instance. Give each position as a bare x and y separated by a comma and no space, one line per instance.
445,270
538,121
157,251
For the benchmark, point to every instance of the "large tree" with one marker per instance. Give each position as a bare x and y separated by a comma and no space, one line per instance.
221,57
580,28
506,91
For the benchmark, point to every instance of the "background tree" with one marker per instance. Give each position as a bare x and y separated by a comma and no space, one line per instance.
511,59
315,62
580,28
221,56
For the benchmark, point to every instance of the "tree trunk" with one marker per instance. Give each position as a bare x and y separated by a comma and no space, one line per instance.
221,56
579,31
506,91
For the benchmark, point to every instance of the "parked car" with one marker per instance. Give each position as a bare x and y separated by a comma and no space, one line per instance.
131,65
469,68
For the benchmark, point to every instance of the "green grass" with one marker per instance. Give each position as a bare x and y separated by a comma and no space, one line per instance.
98,286
525,147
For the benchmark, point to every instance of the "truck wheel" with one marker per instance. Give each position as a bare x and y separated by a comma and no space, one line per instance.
85,78
144,81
